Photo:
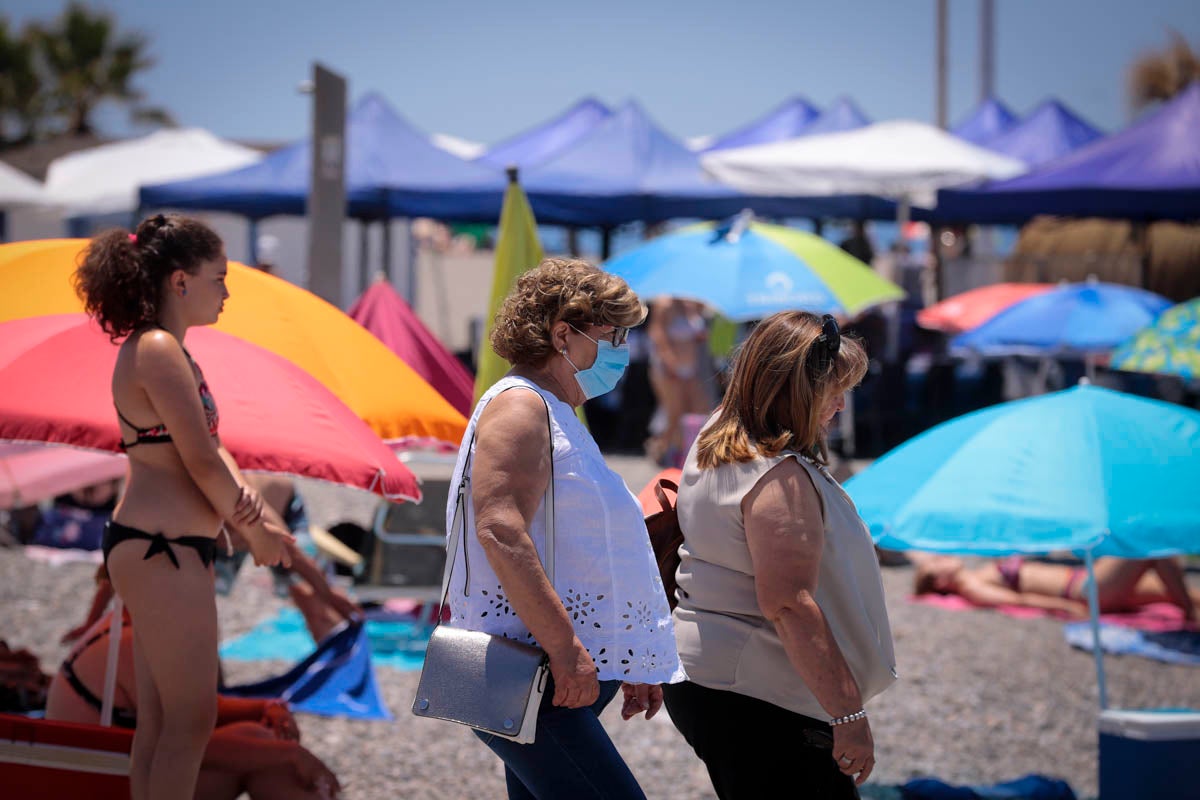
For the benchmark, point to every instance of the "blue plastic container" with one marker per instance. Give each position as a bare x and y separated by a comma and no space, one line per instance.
1146,755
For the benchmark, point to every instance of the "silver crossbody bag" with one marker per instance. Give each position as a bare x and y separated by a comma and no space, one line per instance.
487,682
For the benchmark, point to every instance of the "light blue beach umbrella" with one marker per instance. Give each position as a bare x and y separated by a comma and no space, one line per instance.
1076,317
1090,470
750,270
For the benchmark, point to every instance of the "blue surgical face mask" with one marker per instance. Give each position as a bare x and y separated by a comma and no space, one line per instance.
602,376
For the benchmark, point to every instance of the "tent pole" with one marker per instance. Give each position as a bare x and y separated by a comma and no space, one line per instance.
252,242
573,241
364,252
385,254
116,622
606,243
1094,617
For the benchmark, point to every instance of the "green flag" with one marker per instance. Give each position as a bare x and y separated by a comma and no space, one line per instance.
517,251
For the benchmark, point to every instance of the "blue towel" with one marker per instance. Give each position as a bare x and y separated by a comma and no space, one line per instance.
337,679
1173,647
395,642
1031,787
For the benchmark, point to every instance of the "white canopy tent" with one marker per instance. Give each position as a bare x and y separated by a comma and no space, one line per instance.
901,159
105,179
18,189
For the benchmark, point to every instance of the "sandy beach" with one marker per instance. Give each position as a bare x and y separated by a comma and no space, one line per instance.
982,697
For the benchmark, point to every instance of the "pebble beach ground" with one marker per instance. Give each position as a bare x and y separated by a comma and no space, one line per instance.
982,697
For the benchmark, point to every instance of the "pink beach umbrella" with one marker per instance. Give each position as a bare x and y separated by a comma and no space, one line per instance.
55,376
30,473
383,312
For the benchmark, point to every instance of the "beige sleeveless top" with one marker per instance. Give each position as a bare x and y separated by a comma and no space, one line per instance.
724,640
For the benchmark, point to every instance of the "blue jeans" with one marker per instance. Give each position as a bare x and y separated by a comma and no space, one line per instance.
571,756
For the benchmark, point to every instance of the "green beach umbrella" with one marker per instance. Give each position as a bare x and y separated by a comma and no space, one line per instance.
750,270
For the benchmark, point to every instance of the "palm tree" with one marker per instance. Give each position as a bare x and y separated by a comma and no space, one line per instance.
88,63
24,100
1162,74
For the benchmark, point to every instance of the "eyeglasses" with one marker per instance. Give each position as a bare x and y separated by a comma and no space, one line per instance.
828,343
616,338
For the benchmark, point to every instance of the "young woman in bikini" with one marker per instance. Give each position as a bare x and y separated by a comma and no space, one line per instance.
149,288
1121,584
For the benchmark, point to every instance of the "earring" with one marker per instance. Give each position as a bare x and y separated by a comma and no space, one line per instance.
183,293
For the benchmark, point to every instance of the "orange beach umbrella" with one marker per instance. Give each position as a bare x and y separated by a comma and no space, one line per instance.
35,280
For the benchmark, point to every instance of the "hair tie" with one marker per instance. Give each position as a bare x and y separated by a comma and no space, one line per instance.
133,238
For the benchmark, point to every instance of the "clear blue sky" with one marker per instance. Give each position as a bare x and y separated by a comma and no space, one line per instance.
484,70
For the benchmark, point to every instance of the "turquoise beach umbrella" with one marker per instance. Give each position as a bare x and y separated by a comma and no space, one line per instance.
750,270
1085,469
1171,346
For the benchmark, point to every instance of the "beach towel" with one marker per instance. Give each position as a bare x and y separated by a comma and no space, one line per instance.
396,640
1171,646
1152,617
335,680
1031,787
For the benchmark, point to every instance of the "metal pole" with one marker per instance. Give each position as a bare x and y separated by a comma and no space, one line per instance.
252,242
326,207
987,49
1094,615
115,624
943,13
364,252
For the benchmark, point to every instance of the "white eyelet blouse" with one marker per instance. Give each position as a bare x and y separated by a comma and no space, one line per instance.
605,573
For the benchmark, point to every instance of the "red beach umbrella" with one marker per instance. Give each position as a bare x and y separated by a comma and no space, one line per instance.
55,378
969,310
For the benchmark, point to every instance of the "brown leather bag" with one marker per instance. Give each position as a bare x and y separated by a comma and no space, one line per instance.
665,536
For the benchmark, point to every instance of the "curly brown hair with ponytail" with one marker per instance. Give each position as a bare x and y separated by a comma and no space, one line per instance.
121,275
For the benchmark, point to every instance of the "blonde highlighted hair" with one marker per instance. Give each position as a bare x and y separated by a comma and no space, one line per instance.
777,391
564,289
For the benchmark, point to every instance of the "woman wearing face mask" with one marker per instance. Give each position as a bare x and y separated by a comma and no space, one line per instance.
604,623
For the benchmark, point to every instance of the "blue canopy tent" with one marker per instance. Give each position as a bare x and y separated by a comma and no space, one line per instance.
543,142
842,115
392,170
1089,470
1051,131
1150,170
784,122
989,119
625,169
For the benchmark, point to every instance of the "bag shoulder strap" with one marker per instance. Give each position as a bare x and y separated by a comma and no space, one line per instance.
458,526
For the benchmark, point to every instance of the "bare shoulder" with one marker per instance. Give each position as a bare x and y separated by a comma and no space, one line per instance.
156,349
516,413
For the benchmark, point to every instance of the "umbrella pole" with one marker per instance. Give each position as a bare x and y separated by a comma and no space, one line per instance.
114,657
1094,618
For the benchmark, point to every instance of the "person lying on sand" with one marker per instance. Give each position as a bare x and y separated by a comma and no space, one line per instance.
1122,585
255,748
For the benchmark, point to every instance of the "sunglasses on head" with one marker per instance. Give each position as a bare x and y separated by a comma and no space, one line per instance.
827,344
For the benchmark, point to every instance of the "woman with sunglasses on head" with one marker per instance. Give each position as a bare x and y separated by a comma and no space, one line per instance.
781,622
149,288
604,620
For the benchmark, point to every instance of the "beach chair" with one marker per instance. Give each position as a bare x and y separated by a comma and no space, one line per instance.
40,758
405,553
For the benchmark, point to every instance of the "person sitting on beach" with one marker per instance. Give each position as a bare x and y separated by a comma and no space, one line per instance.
1122,585
323,606
254,749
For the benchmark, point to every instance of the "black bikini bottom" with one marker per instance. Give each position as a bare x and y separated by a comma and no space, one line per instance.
115,533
